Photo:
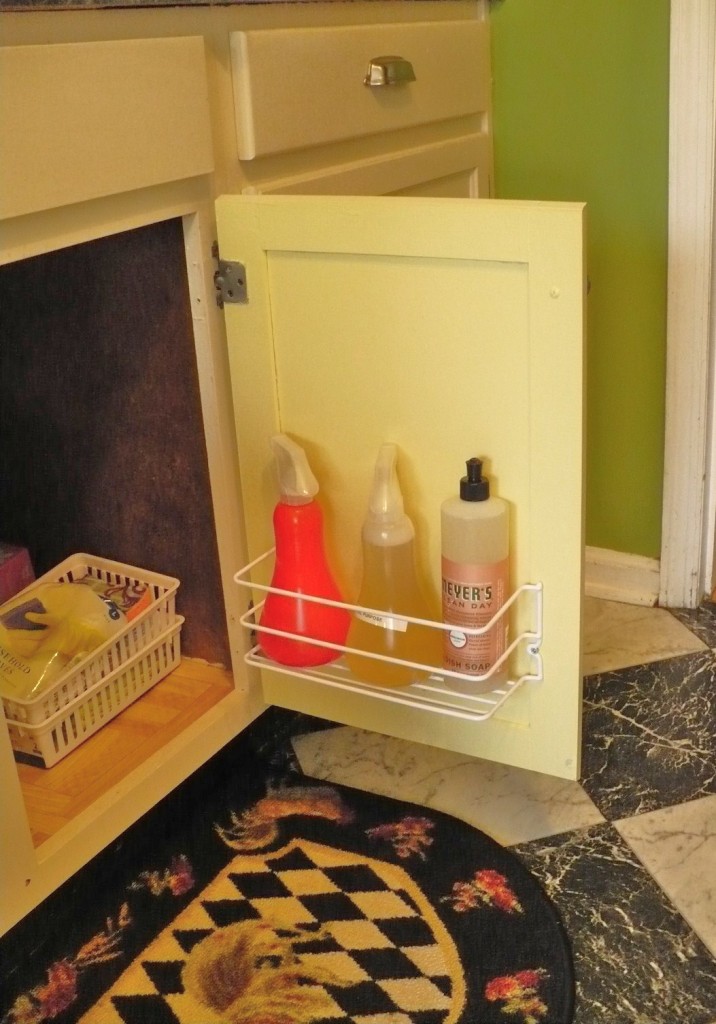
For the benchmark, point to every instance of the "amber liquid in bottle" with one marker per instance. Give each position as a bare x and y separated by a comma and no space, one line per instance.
390,587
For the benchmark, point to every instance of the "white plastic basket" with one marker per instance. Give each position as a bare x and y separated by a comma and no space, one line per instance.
45,744
136,636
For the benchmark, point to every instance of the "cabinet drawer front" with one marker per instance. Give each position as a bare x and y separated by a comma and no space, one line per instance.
296,88
457,167
100,118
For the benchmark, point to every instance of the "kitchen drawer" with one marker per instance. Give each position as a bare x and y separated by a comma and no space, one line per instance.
454,167
101,118
297,88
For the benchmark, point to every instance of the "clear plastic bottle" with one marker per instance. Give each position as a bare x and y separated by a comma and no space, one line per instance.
302,567
390,585
475,576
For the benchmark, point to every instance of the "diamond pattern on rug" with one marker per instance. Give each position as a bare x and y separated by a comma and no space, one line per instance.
362,940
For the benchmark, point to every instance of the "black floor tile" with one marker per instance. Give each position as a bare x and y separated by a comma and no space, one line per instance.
636,959
701,621
649,737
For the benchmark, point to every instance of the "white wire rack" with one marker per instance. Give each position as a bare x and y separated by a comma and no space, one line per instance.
454,694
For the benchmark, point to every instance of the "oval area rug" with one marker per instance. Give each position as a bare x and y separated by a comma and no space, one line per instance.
301,902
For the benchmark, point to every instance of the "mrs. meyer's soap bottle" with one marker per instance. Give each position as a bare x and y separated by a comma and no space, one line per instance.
302,567
391,589
475,576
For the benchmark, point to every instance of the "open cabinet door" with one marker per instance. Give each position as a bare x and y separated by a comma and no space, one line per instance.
453,328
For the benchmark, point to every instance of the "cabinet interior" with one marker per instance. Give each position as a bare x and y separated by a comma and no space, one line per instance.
103,445
104,448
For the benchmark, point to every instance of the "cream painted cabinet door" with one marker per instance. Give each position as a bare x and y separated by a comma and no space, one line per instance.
453,328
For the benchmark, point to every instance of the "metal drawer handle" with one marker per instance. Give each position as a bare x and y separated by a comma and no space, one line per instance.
388,71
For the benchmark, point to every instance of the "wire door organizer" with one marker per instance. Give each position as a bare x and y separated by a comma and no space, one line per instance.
444,690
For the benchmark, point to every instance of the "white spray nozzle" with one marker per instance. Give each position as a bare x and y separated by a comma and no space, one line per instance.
386,499
296,482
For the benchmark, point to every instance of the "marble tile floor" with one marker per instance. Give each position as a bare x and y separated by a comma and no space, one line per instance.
628,854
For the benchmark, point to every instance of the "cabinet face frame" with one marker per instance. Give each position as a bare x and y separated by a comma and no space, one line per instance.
73,217
295,246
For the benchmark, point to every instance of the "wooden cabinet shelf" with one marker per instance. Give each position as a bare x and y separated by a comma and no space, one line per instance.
54,796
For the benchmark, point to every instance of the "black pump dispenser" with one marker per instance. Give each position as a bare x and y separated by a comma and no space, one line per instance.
474,486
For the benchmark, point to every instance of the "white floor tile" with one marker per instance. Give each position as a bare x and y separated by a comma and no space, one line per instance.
510,804
621,635
678,847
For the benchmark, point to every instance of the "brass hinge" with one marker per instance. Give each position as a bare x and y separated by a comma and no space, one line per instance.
229,280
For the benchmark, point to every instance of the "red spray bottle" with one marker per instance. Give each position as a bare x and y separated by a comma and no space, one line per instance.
302,567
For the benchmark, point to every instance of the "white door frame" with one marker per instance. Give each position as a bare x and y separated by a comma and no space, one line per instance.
689,510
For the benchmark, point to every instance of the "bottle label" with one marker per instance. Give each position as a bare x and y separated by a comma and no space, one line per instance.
384,621
471,596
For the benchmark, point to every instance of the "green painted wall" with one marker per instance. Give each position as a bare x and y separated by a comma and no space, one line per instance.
581,113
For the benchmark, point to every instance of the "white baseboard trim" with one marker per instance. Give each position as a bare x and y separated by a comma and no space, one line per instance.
618,576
